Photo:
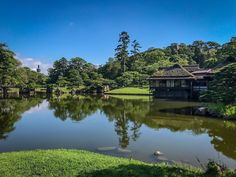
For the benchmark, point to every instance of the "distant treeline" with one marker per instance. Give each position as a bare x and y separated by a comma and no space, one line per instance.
132,67
128,67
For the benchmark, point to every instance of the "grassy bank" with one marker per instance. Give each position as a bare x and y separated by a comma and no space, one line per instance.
77,163
130,91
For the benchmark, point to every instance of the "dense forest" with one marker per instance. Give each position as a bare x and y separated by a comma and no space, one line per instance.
128,67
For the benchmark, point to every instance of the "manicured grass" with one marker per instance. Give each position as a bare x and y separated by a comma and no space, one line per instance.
40,90
77,163
13,90
132,97
130,91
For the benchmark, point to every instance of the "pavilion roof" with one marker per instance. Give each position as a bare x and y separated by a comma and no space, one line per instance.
174,72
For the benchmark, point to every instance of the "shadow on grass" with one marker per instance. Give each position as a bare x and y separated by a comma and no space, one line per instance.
142,171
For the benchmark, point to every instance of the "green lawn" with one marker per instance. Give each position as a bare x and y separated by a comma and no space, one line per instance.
76,163
132,97
130,91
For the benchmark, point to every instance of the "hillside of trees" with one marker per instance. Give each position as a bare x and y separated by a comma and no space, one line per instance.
128,67
131,67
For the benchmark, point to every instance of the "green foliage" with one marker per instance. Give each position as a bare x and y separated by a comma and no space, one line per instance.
153,56
75,72
230,111
131,78
8,66
136,47
31,79
111,69
222,110
13,75
207,54
223,86
217,170
122,49
123,70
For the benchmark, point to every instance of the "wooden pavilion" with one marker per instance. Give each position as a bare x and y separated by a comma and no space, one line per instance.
181,82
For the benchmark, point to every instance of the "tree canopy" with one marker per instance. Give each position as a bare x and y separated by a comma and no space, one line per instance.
12,74
223,86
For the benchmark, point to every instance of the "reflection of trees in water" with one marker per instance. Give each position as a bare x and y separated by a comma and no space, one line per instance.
122,112
121,128
74,107
129,115
126,115
11,111
223,138
136,130
222,135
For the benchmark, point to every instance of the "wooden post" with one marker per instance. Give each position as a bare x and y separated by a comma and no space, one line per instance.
191,89
4,89
49,90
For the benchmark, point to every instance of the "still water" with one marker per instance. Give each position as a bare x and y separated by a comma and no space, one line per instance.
133,127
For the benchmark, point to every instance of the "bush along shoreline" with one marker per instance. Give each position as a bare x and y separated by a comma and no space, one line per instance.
222,93
79,163
217,110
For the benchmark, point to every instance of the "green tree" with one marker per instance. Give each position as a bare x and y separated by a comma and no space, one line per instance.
154,55
228,52
135,47
111,70
130,78
60,68
74,78
122,53
223,86
8,66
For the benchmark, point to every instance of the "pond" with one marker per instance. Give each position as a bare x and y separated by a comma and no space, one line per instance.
128,126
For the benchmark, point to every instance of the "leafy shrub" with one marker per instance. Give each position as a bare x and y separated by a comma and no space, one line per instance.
223,86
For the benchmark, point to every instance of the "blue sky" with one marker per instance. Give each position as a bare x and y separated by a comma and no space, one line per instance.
45,30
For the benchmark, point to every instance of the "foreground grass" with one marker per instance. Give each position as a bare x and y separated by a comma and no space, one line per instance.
76,163
130,91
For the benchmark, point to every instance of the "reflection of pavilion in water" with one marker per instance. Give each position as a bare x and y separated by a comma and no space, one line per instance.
127,115
138,112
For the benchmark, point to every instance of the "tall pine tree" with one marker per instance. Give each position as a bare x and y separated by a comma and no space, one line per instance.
135,47
122,53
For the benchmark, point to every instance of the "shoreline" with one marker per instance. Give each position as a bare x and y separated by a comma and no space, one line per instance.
81,163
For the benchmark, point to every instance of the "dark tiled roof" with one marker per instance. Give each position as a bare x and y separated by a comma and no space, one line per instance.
192,68
176,71
203,71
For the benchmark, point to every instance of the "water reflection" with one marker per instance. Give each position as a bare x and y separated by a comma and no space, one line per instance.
74,107
129,115
11,111
127,118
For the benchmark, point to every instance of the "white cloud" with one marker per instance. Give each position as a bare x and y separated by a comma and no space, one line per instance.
38,108
33,63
